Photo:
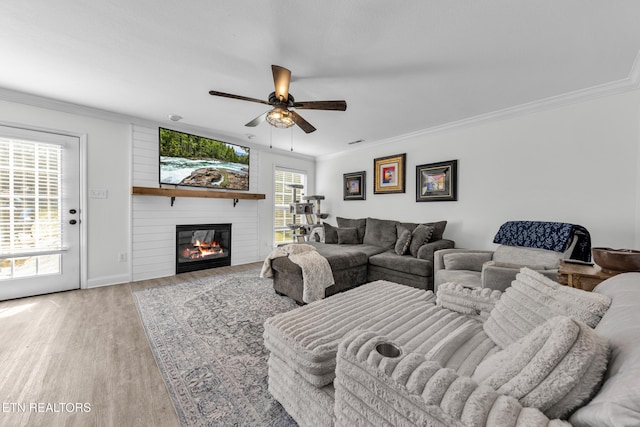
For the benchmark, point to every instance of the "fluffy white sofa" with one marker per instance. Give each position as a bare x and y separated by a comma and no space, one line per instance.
529,356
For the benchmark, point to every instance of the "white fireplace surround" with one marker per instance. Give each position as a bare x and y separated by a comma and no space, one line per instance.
154,220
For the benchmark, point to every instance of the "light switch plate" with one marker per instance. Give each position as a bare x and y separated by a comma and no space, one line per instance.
98,193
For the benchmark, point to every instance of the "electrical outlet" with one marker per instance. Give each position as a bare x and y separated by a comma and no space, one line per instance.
122,257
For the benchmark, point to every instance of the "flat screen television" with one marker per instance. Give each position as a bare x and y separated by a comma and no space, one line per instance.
196,161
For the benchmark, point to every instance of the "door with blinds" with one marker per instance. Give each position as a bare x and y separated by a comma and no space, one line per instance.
39,213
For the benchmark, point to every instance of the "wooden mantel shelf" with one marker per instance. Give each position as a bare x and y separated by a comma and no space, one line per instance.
210,194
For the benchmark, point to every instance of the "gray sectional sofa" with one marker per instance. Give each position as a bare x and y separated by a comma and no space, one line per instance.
368,249
537,355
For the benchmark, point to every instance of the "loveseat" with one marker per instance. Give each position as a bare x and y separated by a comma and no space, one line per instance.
538,354
368,249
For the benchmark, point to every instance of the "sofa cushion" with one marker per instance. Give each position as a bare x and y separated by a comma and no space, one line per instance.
380,232
334,251
406,263
470,301
438,228
359,224
466,260
468,277
330,233
347,236
532,299
420,235
618,401
511,265
528,256
404,239
554,368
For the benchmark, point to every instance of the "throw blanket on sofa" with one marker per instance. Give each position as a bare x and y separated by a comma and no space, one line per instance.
316,271
553,236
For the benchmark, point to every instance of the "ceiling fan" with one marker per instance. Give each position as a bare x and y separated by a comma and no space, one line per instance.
281,116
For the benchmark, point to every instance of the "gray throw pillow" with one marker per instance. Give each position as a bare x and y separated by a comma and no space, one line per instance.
404,239
330,233
381,233
359,224
347,236
438,228
421,235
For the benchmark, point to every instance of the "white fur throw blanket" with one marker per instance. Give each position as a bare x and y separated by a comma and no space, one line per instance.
316,271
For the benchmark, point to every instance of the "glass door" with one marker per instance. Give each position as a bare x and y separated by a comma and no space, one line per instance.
39,213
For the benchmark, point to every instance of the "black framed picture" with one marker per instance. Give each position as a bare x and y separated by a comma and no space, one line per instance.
353,186
437,182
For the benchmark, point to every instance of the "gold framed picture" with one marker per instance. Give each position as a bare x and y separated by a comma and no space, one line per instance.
389,174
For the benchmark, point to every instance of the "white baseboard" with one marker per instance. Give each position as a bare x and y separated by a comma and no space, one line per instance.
108,280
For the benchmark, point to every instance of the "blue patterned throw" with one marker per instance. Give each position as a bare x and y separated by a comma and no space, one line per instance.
553,236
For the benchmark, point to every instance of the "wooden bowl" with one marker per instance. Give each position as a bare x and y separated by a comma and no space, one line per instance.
616,260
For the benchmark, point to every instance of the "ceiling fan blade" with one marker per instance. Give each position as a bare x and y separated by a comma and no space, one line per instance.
261,118
242,98
302,123
321,105
281,80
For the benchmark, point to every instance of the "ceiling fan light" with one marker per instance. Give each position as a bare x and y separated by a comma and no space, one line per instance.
280,118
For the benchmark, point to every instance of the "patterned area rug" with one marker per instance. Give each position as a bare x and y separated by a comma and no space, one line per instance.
206,336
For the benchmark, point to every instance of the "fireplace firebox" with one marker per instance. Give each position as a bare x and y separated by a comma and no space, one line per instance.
202,246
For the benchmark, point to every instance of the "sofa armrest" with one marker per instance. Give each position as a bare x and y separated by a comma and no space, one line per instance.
428,250
410,390
438,257
499,276
470,301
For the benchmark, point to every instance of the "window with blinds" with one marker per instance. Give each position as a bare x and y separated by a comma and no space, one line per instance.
282,198
30,188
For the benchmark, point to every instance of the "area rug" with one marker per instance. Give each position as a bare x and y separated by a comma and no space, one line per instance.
206,336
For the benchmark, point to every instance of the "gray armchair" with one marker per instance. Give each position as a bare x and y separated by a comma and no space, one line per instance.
494,269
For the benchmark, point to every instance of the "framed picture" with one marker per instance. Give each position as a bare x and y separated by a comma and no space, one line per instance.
389,174
437,182
354,186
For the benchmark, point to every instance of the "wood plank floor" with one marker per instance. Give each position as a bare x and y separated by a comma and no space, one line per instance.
86,347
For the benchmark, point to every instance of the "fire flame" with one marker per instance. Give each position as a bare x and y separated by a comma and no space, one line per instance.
202,249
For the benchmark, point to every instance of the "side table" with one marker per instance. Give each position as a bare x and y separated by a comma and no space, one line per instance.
581,276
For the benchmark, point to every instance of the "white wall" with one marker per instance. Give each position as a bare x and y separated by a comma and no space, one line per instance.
637,230
270,159
108,160
577,163
117,224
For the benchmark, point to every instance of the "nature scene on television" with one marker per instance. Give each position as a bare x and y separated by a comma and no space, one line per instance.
197,161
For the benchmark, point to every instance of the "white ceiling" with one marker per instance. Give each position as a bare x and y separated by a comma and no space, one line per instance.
401,66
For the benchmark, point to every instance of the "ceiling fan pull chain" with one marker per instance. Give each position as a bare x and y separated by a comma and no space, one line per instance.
271,137
291,139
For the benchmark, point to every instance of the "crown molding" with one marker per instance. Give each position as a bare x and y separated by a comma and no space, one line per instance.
632,82
97,113
68,107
